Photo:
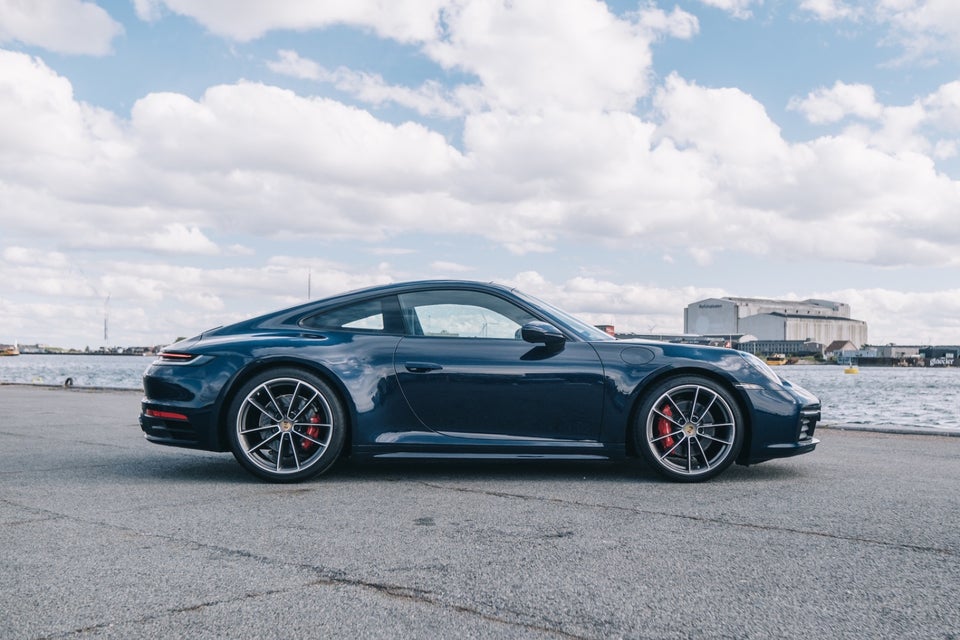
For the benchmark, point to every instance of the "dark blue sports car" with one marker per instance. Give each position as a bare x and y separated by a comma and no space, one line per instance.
449,369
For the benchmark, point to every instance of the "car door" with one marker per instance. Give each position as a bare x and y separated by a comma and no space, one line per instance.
465,371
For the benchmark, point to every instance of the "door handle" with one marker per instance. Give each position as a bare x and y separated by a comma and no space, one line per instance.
422,367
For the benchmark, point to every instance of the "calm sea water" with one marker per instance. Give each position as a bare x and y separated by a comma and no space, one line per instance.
120,372
880,397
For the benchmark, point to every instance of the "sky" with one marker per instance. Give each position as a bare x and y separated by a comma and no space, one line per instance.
167,166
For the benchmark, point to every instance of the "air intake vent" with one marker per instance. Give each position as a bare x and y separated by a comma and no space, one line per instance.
808,423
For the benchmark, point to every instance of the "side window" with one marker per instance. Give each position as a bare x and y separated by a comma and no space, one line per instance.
369,315
462,314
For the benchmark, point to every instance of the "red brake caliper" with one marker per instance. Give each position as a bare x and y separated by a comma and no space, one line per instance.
664,427
313,431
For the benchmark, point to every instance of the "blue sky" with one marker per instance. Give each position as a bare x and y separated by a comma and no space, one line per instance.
198,161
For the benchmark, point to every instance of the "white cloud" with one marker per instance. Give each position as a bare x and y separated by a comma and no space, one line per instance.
736,8
148,10
64,26
725,122
946,149
39,118
244,20
875,186
289,63
630,307
905,317
710,170
37,276
828,10
574,42
152,301
178,238
677,23
442,266
917,127
430,99
943,107
285,134
923,27
838,102
34,256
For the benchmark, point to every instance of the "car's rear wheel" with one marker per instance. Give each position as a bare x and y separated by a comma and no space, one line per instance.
286,425
689,429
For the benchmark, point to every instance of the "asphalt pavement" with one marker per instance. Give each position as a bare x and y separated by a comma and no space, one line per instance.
103,535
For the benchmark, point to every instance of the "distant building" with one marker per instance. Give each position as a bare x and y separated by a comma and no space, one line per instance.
841,351
608,329
944,356
819,321
901,351
837,347
798,348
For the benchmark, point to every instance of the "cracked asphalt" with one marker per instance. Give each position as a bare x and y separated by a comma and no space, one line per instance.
103,535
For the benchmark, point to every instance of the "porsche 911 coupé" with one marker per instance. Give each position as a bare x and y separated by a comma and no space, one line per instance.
452,369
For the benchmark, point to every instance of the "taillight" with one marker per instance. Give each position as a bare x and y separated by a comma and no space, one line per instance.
165,415
175,357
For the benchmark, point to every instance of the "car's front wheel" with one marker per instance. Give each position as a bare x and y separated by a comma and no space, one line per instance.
286,425
689,429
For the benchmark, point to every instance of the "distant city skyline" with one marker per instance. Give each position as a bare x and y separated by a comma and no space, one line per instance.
174,165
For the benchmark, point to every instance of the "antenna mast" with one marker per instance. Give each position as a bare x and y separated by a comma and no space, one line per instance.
106,315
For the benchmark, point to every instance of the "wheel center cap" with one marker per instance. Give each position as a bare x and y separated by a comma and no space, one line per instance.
689,429
286,425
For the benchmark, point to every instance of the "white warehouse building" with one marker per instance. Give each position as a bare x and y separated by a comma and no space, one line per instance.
821,321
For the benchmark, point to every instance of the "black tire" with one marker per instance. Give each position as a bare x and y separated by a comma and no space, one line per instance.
286,425
689,429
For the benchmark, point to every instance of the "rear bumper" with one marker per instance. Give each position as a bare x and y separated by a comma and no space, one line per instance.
192,432
181,404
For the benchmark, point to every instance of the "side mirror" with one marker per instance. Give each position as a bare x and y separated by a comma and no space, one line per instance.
542,333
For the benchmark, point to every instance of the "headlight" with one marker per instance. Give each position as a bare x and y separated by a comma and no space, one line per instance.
762,367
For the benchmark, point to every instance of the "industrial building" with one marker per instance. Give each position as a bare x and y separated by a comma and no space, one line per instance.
746,319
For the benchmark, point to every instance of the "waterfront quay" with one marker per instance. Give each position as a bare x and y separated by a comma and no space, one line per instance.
103,535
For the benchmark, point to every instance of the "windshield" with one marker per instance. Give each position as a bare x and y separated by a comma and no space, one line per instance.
583,330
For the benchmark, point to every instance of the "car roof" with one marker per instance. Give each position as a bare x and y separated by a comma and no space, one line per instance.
285,314
411,285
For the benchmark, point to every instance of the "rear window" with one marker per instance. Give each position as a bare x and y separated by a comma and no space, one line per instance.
368,315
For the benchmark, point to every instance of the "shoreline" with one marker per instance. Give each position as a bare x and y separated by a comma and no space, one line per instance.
83,353
68,387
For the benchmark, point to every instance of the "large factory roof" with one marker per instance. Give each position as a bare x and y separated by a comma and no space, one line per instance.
812,302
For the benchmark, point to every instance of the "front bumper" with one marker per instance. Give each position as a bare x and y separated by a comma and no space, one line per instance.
802,441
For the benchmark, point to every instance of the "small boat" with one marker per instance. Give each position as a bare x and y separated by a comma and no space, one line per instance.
9,350
776,359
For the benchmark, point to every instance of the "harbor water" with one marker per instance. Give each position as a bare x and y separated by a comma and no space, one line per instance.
114,372
883,398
